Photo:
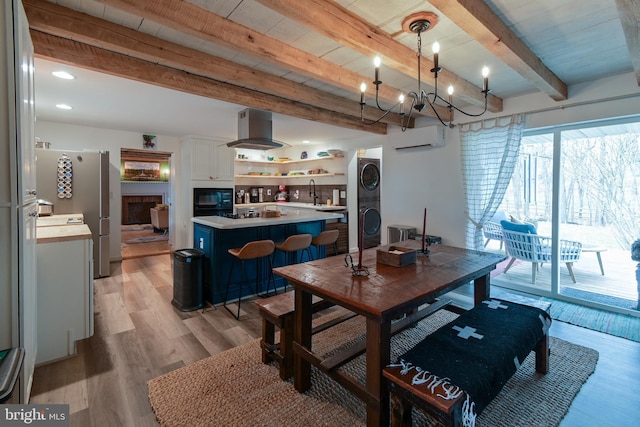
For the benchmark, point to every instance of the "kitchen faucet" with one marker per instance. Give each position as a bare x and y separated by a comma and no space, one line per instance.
315,197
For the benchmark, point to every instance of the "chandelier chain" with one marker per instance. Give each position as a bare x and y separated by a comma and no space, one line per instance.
419,67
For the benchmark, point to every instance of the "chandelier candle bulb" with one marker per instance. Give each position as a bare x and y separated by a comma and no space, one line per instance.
376,64
363,89
436,49
485,75
450,92
401,104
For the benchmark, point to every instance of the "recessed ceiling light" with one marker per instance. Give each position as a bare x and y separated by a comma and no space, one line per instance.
63,106
305,142
63,75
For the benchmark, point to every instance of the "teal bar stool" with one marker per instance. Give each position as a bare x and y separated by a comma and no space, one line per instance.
252,250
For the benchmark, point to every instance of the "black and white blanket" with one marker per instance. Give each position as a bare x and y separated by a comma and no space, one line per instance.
477,353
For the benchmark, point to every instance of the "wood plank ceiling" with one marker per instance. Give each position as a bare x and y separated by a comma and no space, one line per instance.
307,58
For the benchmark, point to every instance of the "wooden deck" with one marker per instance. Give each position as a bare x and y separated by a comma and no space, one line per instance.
619,279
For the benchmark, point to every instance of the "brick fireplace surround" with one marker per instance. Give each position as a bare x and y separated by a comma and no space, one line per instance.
135,209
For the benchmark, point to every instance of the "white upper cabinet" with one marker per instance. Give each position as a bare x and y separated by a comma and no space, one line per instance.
210,159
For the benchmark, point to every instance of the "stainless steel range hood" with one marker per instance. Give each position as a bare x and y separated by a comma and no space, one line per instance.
255,131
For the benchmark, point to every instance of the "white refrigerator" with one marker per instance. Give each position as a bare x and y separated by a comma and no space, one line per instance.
77,182
18,284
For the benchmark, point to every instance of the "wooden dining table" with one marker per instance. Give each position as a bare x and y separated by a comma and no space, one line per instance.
390,298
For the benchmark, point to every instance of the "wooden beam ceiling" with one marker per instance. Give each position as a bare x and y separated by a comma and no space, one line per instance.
190,19
263,90
629,11
481,23
116,64
66,23
339,24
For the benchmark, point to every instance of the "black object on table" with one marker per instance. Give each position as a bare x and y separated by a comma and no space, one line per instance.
10,363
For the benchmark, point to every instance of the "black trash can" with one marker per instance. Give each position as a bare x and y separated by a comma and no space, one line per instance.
188,279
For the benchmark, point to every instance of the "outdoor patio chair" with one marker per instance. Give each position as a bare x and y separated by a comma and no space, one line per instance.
522,242
492,230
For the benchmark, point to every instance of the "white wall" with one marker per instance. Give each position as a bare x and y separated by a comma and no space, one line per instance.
422,178
64,136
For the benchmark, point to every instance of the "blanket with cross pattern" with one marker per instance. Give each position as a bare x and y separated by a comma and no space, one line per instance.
477,353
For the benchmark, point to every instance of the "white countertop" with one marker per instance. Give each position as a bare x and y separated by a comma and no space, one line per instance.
289,216
63,219
62,233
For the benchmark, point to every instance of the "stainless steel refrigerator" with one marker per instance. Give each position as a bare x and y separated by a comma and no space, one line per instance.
78,182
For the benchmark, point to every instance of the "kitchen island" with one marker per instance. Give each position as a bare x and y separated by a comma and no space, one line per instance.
216,235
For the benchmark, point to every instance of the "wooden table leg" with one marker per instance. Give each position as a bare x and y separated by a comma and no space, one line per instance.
302,335
481,289
542,355
378,357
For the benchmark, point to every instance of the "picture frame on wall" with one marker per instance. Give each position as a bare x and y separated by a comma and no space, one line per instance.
141,171
149,142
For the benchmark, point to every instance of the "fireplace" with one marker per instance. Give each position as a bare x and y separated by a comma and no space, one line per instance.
135,209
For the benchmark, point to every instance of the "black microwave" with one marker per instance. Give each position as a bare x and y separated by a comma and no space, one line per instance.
212,201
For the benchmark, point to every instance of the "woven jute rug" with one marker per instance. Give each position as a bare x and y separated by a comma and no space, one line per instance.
235,388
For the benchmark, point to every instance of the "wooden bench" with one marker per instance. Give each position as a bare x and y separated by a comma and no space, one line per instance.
454,373
278,311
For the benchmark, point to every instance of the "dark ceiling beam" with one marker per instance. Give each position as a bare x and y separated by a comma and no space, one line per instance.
195,21
60,21
96,59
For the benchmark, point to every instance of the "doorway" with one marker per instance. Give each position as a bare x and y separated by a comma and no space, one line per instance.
146,199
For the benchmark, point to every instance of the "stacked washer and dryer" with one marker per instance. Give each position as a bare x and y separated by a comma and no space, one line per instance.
369,201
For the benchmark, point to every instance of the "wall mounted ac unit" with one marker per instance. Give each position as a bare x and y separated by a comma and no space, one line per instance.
425,138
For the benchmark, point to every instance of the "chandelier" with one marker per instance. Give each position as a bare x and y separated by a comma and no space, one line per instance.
418,23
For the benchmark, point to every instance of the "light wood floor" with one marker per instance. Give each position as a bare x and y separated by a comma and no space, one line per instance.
138,250
140,335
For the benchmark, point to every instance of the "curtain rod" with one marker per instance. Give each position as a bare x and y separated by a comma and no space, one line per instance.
579,104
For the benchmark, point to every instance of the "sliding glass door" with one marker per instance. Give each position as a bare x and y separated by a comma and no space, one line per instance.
579,188
601,175
529,200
